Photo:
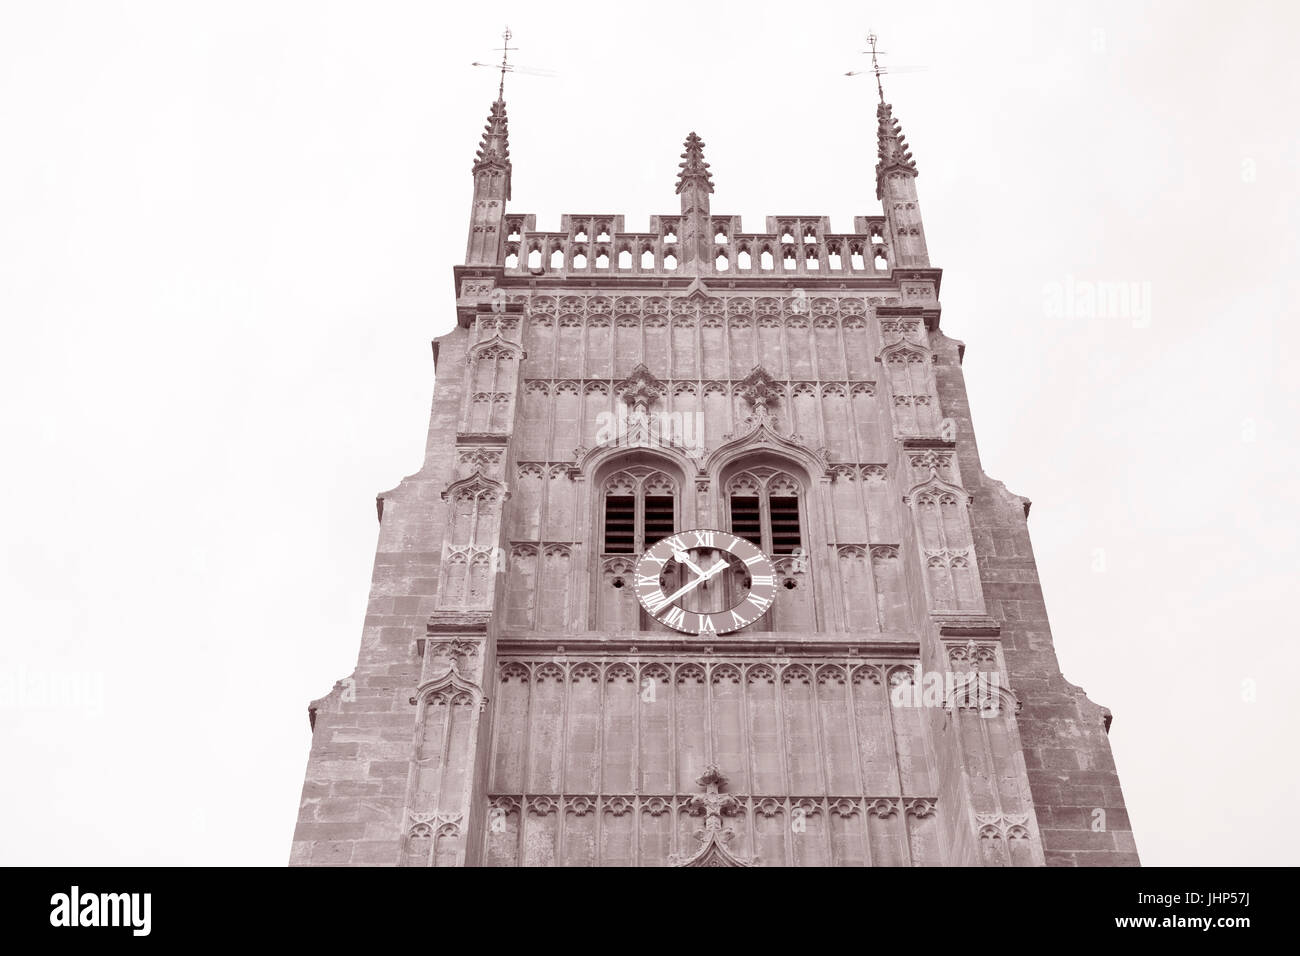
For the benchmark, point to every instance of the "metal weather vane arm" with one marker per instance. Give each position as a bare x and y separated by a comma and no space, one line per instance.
878,70
521,70
505,66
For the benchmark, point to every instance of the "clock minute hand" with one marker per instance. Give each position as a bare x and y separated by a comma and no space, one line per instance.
682,590
712,572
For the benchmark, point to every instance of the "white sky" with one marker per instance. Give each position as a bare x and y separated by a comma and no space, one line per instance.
226,239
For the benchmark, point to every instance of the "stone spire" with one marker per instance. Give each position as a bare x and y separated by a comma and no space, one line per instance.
694,184
491,190
896,189
494,149
894,153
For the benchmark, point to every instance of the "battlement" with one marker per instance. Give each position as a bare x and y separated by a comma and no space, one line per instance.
596,244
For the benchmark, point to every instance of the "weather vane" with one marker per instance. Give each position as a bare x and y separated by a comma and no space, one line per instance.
505,65
879,70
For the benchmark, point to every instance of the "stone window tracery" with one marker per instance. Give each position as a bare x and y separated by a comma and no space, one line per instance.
493,380
639,508
948,554
763,504
916,408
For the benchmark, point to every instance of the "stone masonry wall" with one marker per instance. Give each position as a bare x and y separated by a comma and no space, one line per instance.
358,770
1071,771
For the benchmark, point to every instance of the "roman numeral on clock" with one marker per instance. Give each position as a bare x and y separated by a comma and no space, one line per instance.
657,602
647,581
704,539
762,580
674,618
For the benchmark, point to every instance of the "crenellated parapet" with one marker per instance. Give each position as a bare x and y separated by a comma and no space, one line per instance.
599,246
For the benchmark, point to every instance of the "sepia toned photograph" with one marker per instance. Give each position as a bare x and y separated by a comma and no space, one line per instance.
620,436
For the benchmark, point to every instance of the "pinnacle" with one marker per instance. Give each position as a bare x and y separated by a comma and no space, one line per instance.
495,146
694,170
894,153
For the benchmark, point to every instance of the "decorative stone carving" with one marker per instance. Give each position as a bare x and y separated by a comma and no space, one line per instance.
761,391
713,804
458,656
641,389
485,461
972,655
931,462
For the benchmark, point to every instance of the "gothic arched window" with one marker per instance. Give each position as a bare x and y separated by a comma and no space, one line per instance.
638,508
764,507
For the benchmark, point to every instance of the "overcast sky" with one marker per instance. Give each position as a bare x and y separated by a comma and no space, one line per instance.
226,240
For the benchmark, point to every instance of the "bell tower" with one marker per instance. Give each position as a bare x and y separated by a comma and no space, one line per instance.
701,568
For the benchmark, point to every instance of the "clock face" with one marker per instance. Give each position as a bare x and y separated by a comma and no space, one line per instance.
705,582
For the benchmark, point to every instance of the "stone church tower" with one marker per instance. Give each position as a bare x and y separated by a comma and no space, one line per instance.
515,703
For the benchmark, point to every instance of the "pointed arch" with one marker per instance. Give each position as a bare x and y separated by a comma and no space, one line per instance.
904,345
762,437
499,343
479,484
449,681
681,457
934,484
978,692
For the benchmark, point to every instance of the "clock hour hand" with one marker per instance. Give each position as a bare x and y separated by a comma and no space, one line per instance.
704,576
681,557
